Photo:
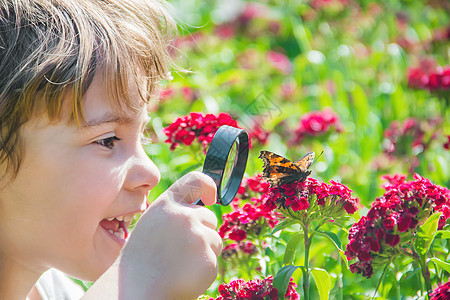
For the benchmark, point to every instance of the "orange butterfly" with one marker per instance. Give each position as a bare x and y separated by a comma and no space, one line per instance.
279,170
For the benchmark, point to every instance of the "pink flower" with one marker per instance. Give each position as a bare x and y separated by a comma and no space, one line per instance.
257,133
317,123
320,4
188,93
225,31
279,61
252,11
167,93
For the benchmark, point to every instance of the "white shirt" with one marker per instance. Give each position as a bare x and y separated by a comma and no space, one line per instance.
55,285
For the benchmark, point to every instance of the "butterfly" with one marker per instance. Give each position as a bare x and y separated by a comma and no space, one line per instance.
279,170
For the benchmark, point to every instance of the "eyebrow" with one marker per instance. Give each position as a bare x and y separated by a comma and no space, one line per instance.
113,118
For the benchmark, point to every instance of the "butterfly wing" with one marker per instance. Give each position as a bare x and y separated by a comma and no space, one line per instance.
305,162
278,169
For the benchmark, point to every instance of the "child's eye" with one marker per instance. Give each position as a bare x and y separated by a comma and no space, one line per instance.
108,142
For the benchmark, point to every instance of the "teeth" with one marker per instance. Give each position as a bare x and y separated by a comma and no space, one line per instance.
120,233
128,218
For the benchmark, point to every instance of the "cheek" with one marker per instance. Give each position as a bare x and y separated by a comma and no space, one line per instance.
85,196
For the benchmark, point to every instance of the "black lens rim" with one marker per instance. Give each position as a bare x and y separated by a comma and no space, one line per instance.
217,157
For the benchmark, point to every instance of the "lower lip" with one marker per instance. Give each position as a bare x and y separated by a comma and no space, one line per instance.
117,239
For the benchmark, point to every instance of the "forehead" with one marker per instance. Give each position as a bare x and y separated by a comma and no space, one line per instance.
98,106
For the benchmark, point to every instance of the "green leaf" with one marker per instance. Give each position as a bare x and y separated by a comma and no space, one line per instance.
426,234
291,248
443,234
282,278
444,265
283,224
337,243
323,282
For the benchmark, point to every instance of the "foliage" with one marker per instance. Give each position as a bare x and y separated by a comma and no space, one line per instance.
367,83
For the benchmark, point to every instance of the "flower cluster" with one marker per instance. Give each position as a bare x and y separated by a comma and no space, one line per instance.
331,200
258,289
233,250
436,79
409,136
393,219
317,123
247,220
253,185
196,125
442,292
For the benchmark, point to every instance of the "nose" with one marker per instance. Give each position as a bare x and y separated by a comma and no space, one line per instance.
143,174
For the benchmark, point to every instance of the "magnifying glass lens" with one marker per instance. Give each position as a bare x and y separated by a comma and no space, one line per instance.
230,165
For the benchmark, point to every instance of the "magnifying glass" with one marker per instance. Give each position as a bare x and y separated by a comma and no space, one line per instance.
225,162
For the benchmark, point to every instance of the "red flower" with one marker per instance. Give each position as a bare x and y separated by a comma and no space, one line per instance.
442,292
249,219
429,77
447,144
392,218
258,289
409,137
196,125
392,239
334,198
237,235
232,250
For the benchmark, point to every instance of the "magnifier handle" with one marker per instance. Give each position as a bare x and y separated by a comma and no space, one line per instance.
199,202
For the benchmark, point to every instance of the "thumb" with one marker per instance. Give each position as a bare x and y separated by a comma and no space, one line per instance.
194,186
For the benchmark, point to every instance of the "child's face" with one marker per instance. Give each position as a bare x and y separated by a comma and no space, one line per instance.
72,180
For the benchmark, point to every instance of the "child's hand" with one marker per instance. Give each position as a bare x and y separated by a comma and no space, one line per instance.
172,252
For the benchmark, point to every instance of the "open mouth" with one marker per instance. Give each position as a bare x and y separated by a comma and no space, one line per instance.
118,226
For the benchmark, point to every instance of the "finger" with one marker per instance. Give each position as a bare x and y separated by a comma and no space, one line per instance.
194,186
207,217
216,242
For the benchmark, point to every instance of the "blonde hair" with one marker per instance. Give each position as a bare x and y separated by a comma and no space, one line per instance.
53,48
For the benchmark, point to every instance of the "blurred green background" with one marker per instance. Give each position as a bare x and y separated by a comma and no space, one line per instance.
272,62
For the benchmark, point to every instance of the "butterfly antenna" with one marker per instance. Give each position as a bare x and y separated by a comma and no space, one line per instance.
317,158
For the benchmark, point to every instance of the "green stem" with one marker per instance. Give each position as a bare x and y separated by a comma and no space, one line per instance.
306,264
424,270
381,278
